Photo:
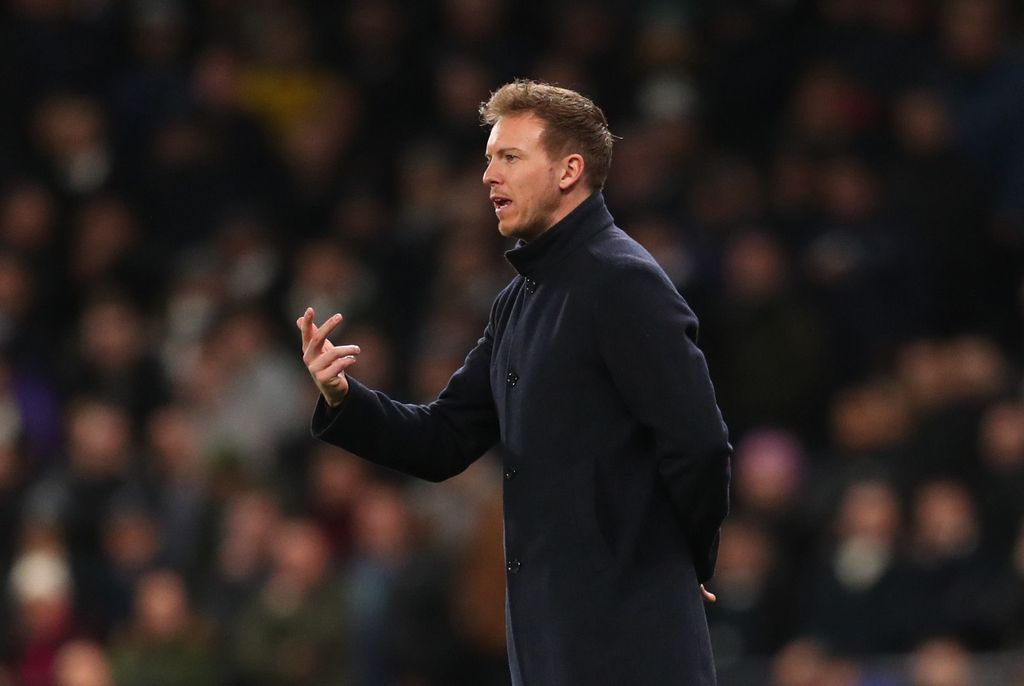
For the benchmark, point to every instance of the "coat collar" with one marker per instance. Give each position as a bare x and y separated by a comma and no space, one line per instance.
532,259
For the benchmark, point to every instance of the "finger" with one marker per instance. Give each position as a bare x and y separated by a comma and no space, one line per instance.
708,595
306,326
348,349
335,369
304,332
328,357
316,340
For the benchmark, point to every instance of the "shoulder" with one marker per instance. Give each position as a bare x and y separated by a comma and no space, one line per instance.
619,264
630,290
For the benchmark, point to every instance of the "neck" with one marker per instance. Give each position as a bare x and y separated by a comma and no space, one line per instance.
569,201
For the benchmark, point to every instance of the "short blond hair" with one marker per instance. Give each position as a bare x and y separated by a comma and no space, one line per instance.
573,123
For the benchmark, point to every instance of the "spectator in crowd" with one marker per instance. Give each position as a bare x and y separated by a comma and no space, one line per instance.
770,343
243,555
177,478
400,593
114,359
941,662
855,603
770,478
336,482
163,643
295,631
131,547
1001,456
42,612
754,608
948,574
82,663
80,495
805,662
248,404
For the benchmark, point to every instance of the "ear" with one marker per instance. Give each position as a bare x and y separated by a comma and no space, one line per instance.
572,172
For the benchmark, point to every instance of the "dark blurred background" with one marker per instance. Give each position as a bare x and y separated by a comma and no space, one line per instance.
837,187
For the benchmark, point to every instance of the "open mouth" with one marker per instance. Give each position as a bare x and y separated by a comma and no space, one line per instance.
500,203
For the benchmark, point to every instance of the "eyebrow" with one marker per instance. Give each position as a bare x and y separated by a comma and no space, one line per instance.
502,151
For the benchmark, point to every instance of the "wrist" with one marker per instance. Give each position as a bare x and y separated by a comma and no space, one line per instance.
334,398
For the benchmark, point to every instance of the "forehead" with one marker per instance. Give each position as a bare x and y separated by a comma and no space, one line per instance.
522,131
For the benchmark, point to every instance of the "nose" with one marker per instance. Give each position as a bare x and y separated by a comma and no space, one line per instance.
490,178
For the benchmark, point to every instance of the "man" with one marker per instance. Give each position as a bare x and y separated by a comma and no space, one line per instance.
616,456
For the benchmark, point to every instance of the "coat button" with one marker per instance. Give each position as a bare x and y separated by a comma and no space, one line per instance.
511,378
531,285
512,566
510,473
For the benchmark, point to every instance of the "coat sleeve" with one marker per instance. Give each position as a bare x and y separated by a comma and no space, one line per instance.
432,442
647,337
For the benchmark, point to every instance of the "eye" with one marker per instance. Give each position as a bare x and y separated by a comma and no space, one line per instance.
509,157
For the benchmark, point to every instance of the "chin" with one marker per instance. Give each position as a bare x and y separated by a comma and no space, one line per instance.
508,230
526,232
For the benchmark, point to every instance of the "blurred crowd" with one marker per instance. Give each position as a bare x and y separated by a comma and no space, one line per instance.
836,186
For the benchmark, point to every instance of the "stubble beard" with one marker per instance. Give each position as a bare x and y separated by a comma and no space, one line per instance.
534,226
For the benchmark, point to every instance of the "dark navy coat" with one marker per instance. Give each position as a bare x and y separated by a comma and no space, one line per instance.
616,457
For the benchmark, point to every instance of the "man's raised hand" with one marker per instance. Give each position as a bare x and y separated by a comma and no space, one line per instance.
325,361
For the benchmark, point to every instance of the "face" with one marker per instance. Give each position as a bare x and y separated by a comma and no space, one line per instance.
524,181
